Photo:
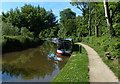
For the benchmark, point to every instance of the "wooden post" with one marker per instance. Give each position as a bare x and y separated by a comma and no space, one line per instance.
80,48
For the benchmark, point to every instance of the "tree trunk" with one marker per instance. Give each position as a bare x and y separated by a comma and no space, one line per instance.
89,22
96,31
108,18
97,24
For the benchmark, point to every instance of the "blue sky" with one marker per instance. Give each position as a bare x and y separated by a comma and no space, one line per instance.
55,6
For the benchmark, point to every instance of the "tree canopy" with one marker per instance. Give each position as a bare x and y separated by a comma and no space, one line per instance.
42,23
35,19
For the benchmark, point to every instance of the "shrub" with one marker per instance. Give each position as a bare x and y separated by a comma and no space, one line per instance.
25,32
8,29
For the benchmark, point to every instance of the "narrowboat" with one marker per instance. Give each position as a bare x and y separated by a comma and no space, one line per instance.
64,48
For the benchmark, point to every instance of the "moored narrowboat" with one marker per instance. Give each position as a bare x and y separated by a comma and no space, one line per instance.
64,47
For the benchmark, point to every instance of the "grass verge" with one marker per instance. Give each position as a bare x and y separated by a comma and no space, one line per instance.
76,69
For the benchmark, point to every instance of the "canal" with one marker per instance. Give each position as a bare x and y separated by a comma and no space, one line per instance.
32,65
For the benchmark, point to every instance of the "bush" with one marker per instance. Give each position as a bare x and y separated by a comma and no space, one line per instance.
8,29
25,32
106,44
13,43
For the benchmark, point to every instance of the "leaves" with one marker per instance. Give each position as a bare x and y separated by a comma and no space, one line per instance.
35,19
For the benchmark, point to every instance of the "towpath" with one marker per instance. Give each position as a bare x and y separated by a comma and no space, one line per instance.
98,70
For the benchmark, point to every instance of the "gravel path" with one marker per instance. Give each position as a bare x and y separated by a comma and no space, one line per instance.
99,71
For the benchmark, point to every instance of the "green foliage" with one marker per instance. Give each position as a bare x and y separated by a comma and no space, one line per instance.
116,19
13,39
25,32
116,26
21,26
68,28
93,18
67,23
106,44
81,27
8,29
82,6
49,33
14,43
43,23
67,14
35,19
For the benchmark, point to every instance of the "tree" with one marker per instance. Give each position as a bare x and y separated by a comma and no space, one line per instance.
89,20
80,5
85,8
67,14
97,18
35,19
115,16
67,23
108,15
81,29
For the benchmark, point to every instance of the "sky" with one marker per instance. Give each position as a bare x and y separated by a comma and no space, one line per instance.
56,7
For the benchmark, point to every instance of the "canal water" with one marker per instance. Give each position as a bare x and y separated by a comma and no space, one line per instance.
33,65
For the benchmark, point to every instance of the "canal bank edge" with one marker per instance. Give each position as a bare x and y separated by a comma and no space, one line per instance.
12,44
76,69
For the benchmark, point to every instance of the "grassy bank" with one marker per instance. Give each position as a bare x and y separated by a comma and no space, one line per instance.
76,69
15,43
105,44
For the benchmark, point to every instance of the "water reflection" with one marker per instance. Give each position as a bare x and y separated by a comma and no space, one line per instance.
36,64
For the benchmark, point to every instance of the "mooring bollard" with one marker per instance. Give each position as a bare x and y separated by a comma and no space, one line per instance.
80,48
